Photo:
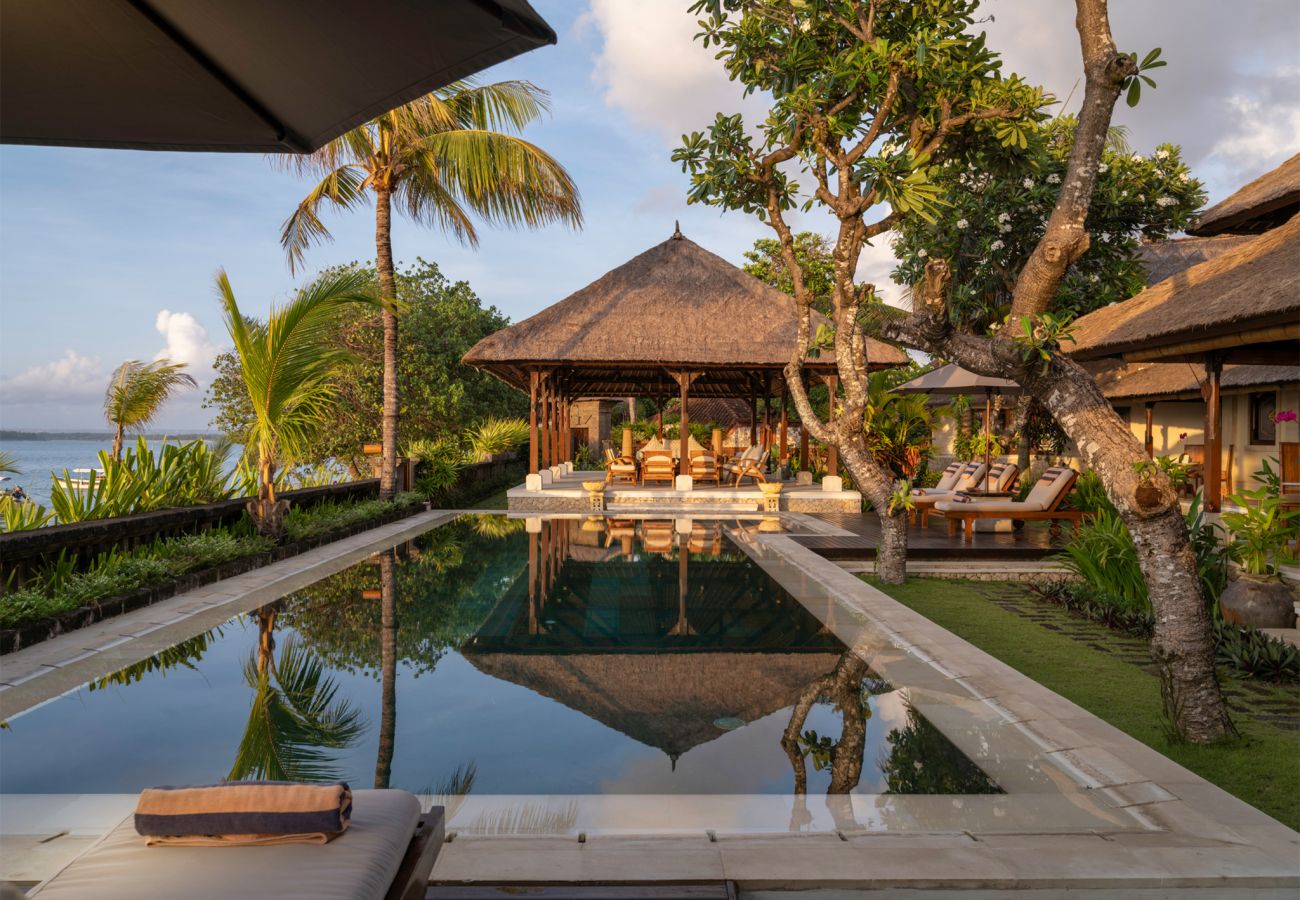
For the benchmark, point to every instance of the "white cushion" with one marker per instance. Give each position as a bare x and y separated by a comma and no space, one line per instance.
971,475
359,864
949,477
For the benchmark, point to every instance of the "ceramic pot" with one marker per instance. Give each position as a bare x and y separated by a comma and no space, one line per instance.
1258,601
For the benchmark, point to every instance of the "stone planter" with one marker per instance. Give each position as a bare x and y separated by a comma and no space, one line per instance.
1259,601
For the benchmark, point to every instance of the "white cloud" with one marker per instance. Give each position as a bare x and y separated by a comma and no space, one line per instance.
186,342
73,378
874,267
651,67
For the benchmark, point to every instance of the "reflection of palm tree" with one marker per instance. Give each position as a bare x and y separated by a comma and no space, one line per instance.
843,686
388,668
295,719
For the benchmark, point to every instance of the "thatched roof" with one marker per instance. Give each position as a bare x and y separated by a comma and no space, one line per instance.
671,701
1165,259
725,411
1247,296
1182,381
674,307
1265,203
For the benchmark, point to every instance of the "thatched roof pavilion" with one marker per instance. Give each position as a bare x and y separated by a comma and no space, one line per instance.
676,319
1260,206
1241,306
1165,259
1244,303
1180,381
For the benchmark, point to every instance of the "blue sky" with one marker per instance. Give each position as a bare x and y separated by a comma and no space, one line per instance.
109,255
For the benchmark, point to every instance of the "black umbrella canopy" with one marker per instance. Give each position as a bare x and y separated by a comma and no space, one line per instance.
237,75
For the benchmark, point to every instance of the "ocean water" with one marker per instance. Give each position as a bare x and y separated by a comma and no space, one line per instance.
38,459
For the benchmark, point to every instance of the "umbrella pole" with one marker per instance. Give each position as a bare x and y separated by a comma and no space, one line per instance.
988,430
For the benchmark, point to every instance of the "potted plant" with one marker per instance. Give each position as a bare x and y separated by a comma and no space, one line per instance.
1147,493
1262,533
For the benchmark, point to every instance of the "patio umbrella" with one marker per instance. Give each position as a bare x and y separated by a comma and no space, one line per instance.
952,379
237,75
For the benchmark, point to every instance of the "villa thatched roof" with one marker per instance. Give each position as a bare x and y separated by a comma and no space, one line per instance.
671,701
1265,203
1246,300
1165,259
1182,381
675,307
725,411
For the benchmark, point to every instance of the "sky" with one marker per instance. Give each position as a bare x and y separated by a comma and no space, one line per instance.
107,255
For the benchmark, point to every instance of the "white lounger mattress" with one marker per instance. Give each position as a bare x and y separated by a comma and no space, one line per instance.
360,864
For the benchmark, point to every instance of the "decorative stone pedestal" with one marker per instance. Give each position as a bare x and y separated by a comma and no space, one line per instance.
533,525
684,483
833,483
533,483
595,495
804,477
682,525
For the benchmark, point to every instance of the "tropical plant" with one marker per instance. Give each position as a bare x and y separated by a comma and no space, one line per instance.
1254,654
439,468
9,463
136,394
1261,531
296,717
440,157
286,364
497,436
21,516
898,427
1268,477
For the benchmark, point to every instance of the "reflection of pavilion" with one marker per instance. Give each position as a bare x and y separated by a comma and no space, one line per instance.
659,644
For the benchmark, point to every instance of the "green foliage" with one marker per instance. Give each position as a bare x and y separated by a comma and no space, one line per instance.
440,466
497,436
1268,477
144,479
440,395
898,426
807,57
921,760
1101,552
816,265
1262,532
1000,204
1251,653
1132,85
1089,495
182,655
334,515
9,463
58,588
137,391
1040,337
21,516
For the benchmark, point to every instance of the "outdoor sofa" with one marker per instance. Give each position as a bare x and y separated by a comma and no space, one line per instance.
1044,502
386,853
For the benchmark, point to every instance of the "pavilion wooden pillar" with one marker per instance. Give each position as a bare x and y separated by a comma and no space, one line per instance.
1149,442
533,449
684,381
753,413
566,445
1213,432
832,452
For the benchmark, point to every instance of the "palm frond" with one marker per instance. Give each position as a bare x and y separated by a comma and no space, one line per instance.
503,178
9,463
344,187
500,105
137,391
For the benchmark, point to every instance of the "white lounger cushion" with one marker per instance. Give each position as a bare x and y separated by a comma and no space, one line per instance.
360,864
948,479
1043,495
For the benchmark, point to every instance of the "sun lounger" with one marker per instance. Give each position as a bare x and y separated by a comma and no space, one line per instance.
1044,502
387,853
967,477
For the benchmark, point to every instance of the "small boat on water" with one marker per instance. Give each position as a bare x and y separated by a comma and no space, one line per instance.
79,479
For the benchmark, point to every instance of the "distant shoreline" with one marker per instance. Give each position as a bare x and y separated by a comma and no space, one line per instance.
9,435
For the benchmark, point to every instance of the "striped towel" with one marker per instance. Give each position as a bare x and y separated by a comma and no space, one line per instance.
242,813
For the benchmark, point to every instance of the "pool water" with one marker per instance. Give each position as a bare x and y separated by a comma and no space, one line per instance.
587,656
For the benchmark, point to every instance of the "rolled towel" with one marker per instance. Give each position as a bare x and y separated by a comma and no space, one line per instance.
240,813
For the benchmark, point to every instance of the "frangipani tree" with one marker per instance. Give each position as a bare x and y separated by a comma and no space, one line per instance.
286,364
136,394
442,159
870,99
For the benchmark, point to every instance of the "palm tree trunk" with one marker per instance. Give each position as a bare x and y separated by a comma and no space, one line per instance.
388,669
117,444
387,288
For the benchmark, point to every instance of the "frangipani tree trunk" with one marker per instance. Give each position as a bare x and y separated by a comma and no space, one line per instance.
1028,351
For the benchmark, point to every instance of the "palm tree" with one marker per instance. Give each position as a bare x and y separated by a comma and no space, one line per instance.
287,364
9,463
440,158
137,391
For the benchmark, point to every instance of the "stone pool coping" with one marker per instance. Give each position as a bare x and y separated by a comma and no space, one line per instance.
1171,828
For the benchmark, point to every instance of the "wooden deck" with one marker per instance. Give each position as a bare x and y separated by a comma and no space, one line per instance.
1029,543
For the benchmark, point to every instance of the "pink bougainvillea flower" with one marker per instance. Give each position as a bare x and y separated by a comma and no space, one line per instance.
1284,415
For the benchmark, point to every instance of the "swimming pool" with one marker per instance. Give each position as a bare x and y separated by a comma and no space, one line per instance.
491,656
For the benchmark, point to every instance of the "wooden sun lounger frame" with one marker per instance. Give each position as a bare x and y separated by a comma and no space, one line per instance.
923,506
966,518
749,467
412,879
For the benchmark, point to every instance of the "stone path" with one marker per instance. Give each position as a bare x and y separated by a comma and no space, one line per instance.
1260,700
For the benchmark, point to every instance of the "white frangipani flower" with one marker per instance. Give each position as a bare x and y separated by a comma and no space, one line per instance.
1028,182
996,245
962,224
1053,178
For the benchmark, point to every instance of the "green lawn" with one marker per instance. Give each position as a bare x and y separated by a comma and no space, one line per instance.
493,501
1262,767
